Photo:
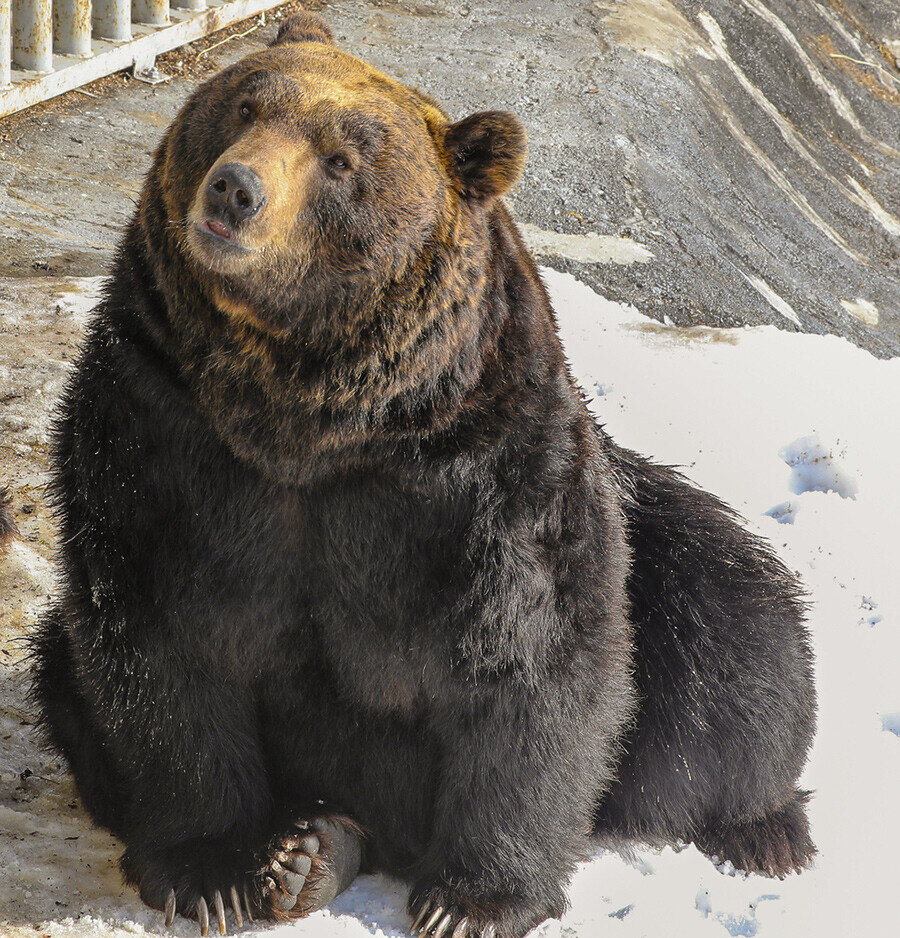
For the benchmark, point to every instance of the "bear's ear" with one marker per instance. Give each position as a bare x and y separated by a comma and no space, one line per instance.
303,27
486,154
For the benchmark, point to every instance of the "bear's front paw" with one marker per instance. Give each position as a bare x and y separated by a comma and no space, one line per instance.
295,874
200,908
195,878
450,913
306,868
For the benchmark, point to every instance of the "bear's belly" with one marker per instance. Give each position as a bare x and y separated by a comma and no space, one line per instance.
384,640
384,571
377,678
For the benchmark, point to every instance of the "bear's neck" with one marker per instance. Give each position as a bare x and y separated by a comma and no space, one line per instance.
433,362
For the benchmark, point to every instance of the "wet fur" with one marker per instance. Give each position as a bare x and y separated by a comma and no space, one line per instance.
375,553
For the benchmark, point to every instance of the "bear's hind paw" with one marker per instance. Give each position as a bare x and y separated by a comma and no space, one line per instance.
305,869
774,845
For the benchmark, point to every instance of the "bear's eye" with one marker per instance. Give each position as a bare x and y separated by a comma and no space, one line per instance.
246,111
338,162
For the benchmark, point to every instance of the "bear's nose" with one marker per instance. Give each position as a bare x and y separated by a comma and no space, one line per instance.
237,191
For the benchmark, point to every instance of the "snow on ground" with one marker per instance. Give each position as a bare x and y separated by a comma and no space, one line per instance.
801,434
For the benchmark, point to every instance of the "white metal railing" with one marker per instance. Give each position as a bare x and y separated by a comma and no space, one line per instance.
51,46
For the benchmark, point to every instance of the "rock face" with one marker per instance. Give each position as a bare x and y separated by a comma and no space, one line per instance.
757,142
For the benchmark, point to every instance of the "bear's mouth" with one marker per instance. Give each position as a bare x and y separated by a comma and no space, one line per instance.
217,228
218,237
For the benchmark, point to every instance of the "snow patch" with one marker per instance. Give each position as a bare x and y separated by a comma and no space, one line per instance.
25,562
890,722
815,469
784,513
77,297
778,303
862,309
589,248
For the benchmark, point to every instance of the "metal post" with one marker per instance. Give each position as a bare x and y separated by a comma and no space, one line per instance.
112,20
152,12
5,34
32,45
189,4
72,27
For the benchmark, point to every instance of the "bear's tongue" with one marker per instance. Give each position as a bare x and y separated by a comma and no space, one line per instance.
216,227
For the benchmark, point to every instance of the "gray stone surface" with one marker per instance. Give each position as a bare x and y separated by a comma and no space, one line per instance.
750,146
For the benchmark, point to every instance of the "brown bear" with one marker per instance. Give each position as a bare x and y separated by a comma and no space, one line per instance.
350,577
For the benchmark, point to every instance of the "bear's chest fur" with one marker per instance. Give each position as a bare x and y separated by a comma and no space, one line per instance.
353,586
383,572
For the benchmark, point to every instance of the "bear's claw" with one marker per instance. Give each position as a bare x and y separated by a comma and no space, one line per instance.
203,916
220,911
201,910
434,921
236,906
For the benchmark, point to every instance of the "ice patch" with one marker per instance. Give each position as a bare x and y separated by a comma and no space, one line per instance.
869,616
703,902
784,513
890,722
815,468
735,923
739,925
602,388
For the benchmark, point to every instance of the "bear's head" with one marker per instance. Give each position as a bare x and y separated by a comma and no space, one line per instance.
332,265
301,185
